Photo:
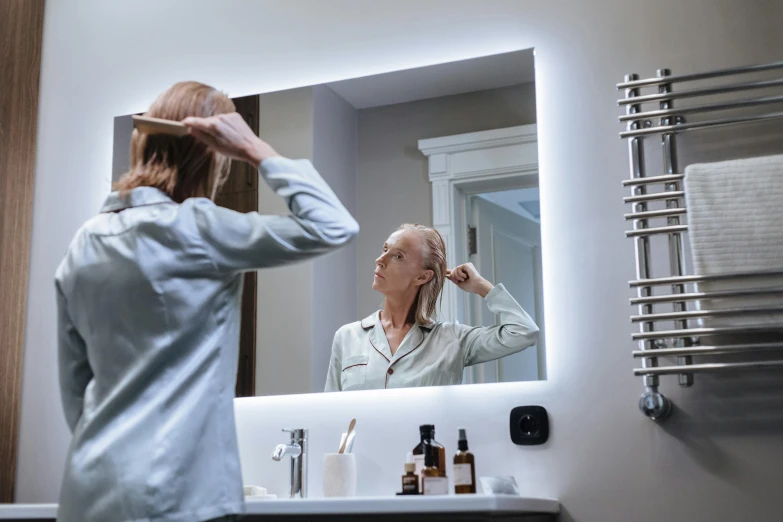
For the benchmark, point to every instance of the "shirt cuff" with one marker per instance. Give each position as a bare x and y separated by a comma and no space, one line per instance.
498,289
278,164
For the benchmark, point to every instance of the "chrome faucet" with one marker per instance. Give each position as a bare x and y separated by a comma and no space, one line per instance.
297,450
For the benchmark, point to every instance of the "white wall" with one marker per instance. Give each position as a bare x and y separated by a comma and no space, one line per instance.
393,184
717,459
334,275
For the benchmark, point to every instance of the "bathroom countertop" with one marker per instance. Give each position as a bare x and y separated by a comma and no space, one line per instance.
405,504
348,506
28,511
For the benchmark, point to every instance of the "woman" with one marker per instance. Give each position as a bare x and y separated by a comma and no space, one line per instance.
401,345
148,300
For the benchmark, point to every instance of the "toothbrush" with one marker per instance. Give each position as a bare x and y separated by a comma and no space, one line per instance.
351,426
349,444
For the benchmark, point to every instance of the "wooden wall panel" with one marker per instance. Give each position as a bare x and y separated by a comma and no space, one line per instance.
21,31
240,193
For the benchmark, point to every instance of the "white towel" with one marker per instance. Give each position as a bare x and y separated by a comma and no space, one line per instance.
258,493
735,213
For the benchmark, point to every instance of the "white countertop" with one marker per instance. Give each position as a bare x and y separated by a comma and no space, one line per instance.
404,504
355,505
28,511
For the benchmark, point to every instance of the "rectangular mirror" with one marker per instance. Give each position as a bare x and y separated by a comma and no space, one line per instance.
450,146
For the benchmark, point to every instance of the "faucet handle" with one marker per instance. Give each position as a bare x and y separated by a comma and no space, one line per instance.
296,434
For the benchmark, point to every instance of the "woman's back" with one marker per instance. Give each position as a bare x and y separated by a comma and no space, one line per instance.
149,309
160,330
148,300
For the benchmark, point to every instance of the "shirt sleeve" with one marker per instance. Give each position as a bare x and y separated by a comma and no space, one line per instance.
333,378
318,222
515,332
74,368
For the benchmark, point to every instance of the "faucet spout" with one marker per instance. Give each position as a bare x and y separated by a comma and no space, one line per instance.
284,450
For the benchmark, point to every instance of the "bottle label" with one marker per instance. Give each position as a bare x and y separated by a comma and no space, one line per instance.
463,475
419,461
410,484
435,485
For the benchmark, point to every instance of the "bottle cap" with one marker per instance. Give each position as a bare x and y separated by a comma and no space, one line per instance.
426,429
462,443
410,467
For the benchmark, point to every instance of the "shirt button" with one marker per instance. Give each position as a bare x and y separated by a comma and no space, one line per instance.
391,371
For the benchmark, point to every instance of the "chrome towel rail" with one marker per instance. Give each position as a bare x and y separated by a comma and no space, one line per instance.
732,71
662,212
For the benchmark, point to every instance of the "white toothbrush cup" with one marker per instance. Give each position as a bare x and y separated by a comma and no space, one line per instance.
339,475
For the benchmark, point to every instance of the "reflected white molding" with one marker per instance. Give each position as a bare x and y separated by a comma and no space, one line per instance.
485,161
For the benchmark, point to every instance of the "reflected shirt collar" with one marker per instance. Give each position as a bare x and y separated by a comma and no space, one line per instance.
369,321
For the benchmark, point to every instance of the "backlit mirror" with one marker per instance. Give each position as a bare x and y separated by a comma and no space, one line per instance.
451,147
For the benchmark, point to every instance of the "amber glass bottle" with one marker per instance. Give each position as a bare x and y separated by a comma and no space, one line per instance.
464,467
427,432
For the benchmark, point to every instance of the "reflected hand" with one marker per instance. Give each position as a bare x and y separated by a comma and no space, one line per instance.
468,279
229,135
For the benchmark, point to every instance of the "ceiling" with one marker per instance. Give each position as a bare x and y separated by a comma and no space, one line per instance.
476,74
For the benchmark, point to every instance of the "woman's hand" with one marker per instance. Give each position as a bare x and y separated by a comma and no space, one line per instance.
229,135
468,279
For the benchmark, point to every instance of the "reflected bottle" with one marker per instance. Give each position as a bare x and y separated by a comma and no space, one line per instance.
427,432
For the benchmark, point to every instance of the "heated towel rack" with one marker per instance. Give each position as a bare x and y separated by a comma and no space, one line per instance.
657,205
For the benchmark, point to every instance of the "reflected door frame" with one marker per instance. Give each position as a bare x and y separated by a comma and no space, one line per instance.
240,193
468,164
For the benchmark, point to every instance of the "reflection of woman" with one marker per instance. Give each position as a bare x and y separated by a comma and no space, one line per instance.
401,345
148,299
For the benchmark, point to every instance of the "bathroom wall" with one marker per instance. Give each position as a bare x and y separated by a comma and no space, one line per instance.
334,275
393,184
284,331
123,131
294,335
717,459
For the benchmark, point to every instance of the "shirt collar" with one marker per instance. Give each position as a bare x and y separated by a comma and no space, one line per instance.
370,321
378,340
138,197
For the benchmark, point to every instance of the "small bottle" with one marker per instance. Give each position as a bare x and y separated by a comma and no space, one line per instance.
427,432
410,481
464,467
433,480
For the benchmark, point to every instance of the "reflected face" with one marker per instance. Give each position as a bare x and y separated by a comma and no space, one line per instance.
400,265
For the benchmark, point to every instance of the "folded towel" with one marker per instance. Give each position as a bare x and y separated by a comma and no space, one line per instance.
735,212
257,493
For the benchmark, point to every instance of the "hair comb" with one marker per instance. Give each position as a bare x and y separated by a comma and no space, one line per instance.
149,125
